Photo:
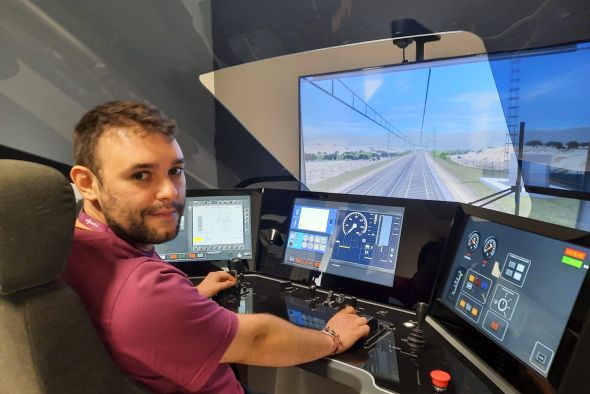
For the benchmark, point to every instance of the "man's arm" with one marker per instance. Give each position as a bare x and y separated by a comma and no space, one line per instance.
267,340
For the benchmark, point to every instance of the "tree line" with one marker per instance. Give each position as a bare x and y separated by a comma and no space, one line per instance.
557,144
351,155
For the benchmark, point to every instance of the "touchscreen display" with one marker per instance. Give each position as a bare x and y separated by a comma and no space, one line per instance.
212,228
356,241
516,287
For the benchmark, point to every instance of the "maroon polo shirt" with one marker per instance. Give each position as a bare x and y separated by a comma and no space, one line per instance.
155,324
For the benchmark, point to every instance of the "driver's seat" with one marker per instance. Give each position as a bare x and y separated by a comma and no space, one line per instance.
47,341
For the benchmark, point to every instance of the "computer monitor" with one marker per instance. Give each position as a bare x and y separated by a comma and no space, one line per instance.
216,225
356,241
516,286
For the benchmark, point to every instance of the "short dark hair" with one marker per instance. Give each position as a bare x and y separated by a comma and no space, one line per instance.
135,115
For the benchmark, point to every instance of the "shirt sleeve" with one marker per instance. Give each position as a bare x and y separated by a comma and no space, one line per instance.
162,324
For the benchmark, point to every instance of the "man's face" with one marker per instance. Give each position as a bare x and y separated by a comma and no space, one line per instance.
142,185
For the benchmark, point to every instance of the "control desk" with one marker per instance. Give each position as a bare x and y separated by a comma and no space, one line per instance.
387,361
459,298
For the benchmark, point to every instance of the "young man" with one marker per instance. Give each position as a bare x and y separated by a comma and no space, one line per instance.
167,335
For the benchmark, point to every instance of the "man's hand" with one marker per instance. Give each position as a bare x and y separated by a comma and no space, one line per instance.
348,326
214,282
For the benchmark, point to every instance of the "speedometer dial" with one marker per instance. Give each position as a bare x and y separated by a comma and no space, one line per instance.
489,247
473,241
355,223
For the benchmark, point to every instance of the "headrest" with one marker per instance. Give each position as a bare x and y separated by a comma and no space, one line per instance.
37,215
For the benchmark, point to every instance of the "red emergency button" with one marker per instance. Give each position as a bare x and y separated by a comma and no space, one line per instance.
440,379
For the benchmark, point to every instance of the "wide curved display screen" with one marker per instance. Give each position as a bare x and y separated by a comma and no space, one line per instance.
459,129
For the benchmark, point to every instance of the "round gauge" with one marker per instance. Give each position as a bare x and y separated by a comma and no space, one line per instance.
489,247
473,241
354,222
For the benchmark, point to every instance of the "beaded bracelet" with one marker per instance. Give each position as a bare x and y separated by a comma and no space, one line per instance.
335,337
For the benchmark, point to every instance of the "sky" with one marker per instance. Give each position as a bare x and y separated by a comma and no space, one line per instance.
447,104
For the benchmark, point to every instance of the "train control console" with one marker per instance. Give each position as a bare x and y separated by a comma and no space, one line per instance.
459,299
386,360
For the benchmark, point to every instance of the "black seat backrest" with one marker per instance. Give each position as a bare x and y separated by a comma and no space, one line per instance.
47,341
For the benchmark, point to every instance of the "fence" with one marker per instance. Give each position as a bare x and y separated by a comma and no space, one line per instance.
490,165
316,171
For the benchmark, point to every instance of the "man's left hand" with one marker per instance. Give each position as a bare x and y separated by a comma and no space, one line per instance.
214,282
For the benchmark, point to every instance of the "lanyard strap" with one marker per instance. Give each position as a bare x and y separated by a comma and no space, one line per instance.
95,225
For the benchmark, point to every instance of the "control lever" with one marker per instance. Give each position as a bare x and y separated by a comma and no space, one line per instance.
334,300
240,282
236,288
374,329
312,292
236,264
328,299
416,339
338,301
421,310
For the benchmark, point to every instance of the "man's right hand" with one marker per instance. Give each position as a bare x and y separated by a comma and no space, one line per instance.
349,326
269,341
214,282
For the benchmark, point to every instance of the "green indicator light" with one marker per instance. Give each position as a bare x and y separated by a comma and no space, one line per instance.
571,261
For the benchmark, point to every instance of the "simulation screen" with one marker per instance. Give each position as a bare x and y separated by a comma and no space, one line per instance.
470,109
212,228
356,241
516,287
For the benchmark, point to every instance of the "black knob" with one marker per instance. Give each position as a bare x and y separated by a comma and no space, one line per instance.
312,291
416,339
421,309
235,264
353,302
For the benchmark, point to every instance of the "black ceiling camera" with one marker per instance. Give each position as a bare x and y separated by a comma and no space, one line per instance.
411,27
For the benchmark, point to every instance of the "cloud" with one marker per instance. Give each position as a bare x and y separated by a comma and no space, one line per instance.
371,86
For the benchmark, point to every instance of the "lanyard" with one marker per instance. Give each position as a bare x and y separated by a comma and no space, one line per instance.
95,225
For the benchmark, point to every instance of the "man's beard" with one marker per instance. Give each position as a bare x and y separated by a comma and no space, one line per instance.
137,232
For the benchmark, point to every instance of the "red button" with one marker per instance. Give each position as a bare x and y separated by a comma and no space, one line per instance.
440,379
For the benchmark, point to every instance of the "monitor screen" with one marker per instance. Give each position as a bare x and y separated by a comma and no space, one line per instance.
212,228
516,287
450,129
356,241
